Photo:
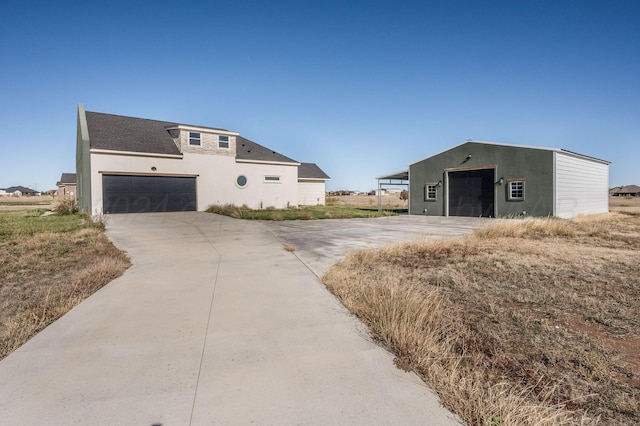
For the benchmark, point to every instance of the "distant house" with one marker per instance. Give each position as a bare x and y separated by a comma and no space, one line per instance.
135,165
19,191
625,191
67,185
489,179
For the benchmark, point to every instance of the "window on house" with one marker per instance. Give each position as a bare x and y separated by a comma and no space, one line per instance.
194,138
223,141
516,190
241,181
272,178
430,193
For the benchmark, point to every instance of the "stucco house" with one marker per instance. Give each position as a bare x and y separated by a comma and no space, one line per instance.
67,185
489,179
128,165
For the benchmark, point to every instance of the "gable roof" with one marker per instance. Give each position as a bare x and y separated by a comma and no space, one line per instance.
311,171
251,151
67,179
562,151
120,133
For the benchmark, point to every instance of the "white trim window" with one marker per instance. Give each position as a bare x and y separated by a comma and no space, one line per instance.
271,179
430,192
516,190
223,141
194,138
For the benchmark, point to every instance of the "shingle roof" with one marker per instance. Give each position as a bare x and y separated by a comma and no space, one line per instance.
22,189
629,189
249,150
311,171
67,178
120,133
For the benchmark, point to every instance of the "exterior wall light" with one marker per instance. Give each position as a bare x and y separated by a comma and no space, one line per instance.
439,183
500,181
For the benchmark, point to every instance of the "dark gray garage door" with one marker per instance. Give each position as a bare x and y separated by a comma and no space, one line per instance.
141,194
471,193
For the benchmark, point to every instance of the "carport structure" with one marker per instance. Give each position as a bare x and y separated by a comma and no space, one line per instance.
394,179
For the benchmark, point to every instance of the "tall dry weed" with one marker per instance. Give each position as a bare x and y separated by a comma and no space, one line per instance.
46,275
520,324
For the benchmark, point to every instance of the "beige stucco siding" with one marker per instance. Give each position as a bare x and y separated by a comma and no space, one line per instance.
215,178
311,192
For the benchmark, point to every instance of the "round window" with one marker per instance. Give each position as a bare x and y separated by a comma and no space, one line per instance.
241,181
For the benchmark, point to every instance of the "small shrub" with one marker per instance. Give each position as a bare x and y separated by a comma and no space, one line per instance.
64,206
306,215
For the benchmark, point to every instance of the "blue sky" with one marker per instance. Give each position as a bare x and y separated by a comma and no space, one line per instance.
362,88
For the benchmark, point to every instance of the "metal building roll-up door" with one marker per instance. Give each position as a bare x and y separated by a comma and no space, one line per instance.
143,194
472,193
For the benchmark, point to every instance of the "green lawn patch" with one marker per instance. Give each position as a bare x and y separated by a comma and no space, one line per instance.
301,213
32,222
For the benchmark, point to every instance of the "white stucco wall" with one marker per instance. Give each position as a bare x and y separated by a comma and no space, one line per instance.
311,193
581,186
215,178
217,182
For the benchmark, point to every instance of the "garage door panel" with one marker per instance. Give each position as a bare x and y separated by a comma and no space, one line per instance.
472,193
140,194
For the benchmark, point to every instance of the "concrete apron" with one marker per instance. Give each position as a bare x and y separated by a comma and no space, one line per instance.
215,323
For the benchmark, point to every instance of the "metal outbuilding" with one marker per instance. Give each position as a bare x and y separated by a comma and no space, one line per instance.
489,179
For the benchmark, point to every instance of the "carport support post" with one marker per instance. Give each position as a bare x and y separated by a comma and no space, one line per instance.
379,197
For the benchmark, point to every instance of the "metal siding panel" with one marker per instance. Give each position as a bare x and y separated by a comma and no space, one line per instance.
581,186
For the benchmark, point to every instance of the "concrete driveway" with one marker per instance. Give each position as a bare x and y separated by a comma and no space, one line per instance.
215,323
322,243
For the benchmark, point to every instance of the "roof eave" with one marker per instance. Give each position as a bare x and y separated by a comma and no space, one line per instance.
134,153
280,163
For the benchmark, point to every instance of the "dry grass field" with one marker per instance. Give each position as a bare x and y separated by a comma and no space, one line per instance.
527,322
388,201
48,264
624,205
10,203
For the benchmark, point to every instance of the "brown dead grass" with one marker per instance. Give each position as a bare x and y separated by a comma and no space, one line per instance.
388,201
46,274
625,204
527,322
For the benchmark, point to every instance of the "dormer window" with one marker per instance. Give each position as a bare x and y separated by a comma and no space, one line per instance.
194,138
223,141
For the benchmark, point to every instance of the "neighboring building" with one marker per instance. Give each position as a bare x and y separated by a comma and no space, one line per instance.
127,164
18,191
67,185
625,191
488,179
